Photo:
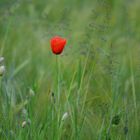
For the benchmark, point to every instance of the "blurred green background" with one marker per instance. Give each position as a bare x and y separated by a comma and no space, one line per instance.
99,70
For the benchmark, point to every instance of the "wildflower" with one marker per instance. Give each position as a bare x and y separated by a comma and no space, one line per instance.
65,116
2,70
57,44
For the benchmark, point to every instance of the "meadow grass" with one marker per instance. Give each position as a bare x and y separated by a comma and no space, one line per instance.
90,91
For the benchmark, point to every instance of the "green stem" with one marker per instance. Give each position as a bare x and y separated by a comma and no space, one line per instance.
58,79
58,107
133,87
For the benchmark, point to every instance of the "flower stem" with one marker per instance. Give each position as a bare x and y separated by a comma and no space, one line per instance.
58,79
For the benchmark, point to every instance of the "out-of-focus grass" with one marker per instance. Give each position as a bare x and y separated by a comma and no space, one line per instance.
98,70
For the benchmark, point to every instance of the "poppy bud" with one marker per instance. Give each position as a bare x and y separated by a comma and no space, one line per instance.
57,44
1,59
65,116
2,70
24,123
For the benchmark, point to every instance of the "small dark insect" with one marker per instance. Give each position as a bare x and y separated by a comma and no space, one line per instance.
52,94
53,97
116,120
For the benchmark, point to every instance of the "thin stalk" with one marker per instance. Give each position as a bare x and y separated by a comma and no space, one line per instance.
82,77
5,39
133,88
58,78
101,129
86,92
58,107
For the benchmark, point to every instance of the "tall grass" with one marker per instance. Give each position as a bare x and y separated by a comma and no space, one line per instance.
90,91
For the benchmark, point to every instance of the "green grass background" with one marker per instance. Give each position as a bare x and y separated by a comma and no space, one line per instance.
96,79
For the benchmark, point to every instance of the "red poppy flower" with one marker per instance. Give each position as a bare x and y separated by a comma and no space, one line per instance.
57,44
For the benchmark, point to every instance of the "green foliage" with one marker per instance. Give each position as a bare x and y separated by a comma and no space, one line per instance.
90,91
